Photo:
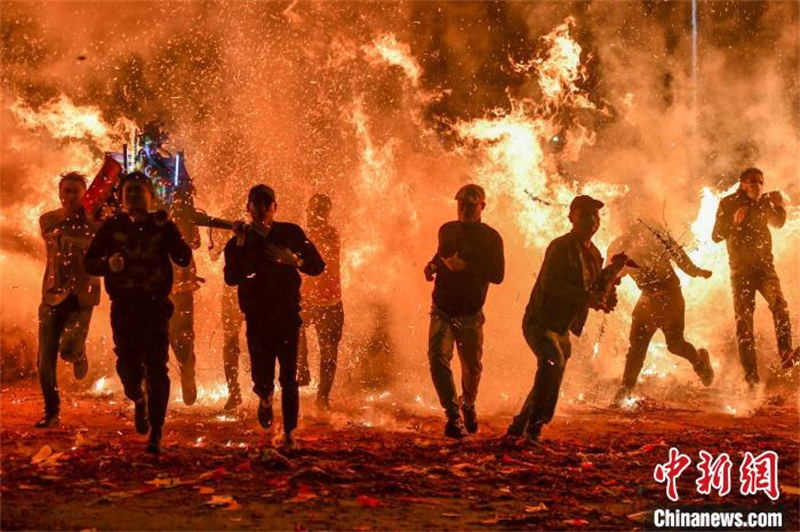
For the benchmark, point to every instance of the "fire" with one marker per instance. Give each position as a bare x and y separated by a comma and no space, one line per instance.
387,49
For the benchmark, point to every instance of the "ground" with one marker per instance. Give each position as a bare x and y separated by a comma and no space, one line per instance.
593,469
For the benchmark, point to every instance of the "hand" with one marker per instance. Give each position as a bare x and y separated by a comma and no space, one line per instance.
282,255
430,271
455,263
705,274
776,198
239,229
739,215
116,263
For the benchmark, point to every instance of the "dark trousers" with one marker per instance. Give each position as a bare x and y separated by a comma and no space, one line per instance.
663,310
141,342
62,329
552,351
269,341
232,319
329,322
181,331
466,332
745,285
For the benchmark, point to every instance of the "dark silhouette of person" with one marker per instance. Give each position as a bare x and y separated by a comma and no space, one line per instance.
468,258
263,259
132,251
743,220
69,294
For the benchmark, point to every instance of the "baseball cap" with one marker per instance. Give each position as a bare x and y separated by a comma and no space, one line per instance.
471,193
585,202
259,191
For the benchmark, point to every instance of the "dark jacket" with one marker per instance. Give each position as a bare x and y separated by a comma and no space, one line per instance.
464,293
268,290
559,299
146,248
750,244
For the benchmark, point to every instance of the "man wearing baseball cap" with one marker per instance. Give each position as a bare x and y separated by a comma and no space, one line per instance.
469,257
564,292
263,260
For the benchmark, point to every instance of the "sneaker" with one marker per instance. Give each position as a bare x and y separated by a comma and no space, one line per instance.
188,387
470,418
154,445
80,368
516,428
455,428
790,357
234,400
621,396
140,416
534,431
49,421
265,413
288,443
703,368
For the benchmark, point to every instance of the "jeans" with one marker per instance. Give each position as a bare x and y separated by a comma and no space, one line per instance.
62,329
552,351
745,285
466,332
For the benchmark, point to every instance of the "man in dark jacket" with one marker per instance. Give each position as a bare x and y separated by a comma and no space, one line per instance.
68,293
263,259
743,221
469,257
132,251
661,304
565,290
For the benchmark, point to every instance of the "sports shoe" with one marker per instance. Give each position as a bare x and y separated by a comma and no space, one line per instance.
470,418
154,445
534,431
49,421
455,428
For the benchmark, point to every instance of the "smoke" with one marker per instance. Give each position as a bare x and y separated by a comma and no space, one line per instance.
388,107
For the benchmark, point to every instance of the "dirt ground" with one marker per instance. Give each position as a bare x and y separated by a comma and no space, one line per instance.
593,469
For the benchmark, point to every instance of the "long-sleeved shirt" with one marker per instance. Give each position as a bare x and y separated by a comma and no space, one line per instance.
66,240
269,290
749,244
463,293
654,258
146,248
559,300
324,290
